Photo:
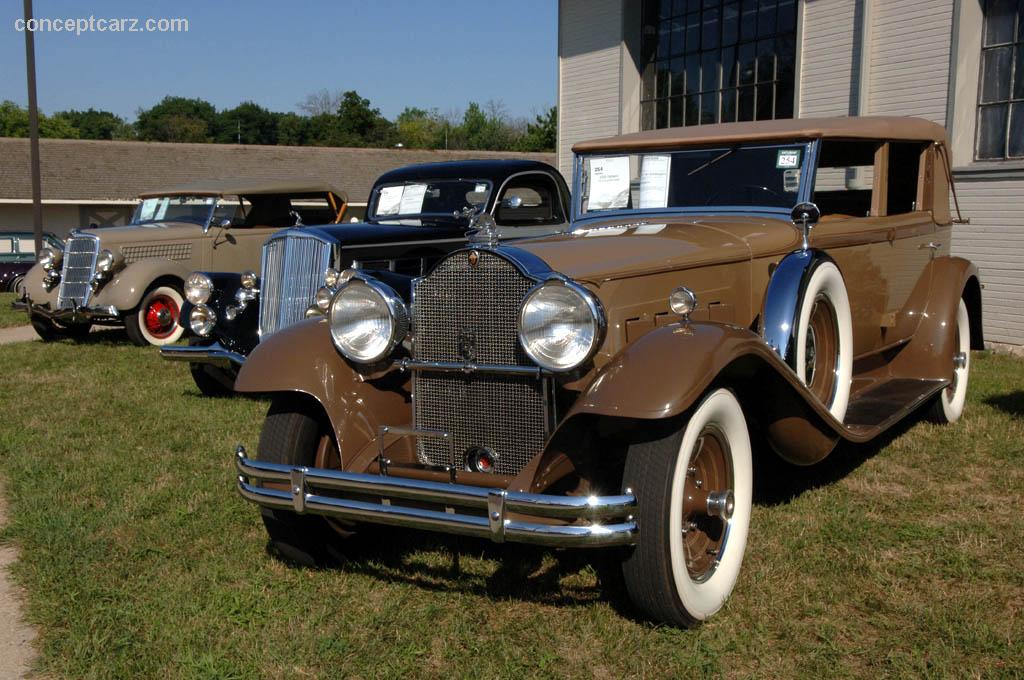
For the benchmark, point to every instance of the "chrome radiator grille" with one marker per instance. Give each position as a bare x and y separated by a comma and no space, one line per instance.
463,313
292,271
78,270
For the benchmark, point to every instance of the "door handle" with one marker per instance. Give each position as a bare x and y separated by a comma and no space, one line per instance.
934,245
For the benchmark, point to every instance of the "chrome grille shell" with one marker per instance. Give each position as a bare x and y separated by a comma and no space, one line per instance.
291,271
77,271
468,313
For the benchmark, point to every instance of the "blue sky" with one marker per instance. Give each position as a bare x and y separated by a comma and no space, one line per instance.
397,53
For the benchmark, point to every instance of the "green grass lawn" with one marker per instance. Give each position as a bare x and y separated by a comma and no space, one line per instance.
10,317
902,559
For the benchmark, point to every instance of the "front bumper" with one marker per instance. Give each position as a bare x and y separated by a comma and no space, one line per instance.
74,315
215,354
308,488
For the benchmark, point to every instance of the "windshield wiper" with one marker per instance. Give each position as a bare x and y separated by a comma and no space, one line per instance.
711,162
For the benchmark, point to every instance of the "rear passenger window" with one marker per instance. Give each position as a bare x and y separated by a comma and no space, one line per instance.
844,178
904,177
530,199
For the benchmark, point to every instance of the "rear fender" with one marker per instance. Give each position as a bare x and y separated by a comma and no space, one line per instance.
302,358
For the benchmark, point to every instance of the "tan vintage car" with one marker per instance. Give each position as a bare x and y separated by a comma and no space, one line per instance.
787,282
134,275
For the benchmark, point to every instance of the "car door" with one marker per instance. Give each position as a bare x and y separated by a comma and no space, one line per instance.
240,228
530,204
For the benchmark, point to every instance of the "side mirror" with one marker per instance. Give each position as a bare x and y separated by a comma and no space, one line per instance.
512,201
225,224
805,215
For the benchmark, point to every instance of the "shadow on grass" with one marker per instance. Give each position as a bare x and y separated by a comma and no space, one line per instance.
1012,403
104,336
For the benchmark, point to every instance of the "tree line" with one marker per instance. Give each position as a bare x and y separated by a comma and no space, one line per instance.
326,119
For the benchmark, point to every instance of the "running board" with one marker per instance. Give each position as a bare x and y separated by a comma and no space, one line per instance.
880,406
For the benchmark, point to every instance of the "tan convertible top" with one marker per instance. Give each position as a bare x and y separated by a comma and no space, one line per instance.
250,187
863,127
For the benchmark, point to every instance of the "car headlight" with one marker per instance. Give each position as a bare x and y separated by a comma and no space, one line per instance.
202,320
105,261
560,325
47,257
331,277
367,319
249,279
323,299
198,288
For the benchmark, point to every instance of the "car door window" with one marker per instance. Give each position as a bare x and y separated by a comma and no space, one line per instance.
529,200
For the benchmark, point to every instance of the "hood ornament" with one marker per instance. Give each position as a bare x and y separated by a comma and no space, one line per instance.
483,230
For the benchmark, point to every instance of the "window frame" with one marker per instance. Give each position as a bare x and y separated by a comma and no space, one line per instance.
1016,43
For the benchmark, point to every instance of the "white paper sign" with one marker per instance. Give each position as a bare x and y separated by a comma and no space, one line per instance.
147,210
654,176
388,200
412,199
609,183
161,210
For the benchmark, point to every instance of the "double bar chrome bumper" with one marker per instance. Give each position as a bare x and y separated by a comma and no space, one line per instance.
74,314
215,354
308,485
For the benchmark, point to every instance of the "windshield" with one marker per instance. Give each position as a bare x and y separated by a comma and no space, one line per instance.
195,209
724,176
409,201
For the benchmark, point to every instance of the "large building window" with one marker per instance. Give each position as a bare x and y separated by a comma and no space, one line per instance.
710,61
1001,92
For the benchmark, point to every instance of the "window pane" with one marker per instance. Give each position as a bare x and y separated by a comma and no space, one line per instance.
647,90
765,61
746,107
678,7
675,116
693,109
729,66
664,30
784,99
678,76
665,9
661,114
693,32
765,18
992,131
1018,73
748,20
747,63
709,71
787,16
999,16
995,74
710,31
709,108
693,74
664,74
647,115
731,23
728,106
765,101
1016,131
678,36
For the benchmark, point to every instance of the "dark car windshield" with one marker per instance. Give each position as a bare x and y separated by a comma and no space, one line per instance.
724,176
195,209
408,202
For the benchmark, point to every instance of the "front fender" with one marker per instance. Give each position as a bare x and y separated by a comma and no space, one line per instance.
302,358
126,289
36,289
664,373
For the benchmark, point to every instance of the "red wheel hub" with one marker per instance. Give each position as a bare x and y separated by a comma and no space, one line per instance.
161,316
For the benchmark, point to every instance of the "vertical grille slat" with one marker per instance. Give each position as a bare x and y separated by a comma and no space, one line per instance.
461,308
77,272
292,271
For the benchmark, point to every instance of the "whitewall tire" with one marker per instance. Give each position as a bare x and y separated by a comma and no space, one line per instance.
949,405
824,339
155,320
694,490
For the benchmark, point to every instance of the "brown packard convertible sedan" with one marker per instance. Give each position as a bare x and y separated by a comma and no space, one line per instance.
134,275
786,281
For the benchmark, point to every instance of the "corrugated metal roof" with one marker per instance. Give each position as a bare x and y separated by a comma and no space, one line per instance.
89,170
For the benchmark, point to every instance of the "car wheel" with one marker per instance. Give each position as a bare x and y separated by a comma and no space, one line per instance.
17,285
949,404
155,320
49,331
213,381
292,435
824,342
694,493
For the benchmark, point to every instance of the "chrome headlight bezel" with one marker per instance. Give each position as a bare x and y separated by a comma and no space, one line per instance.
48,258
248,279
396,313
104,262
587,301
202,319
198,288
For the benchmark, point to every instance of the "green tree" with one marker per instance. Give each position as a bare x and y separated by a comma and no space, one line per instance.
14,123
420,129
93,124
292,129
359,124
542,134
248,122
177,119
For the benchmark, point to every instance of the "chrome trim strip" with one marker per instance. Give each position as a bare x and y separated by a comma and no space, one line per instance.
215,354
454,367
303,481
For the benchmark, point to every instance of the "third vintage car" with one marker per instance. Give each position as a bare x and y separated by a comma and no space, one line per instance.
416,214
133,276
785,282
